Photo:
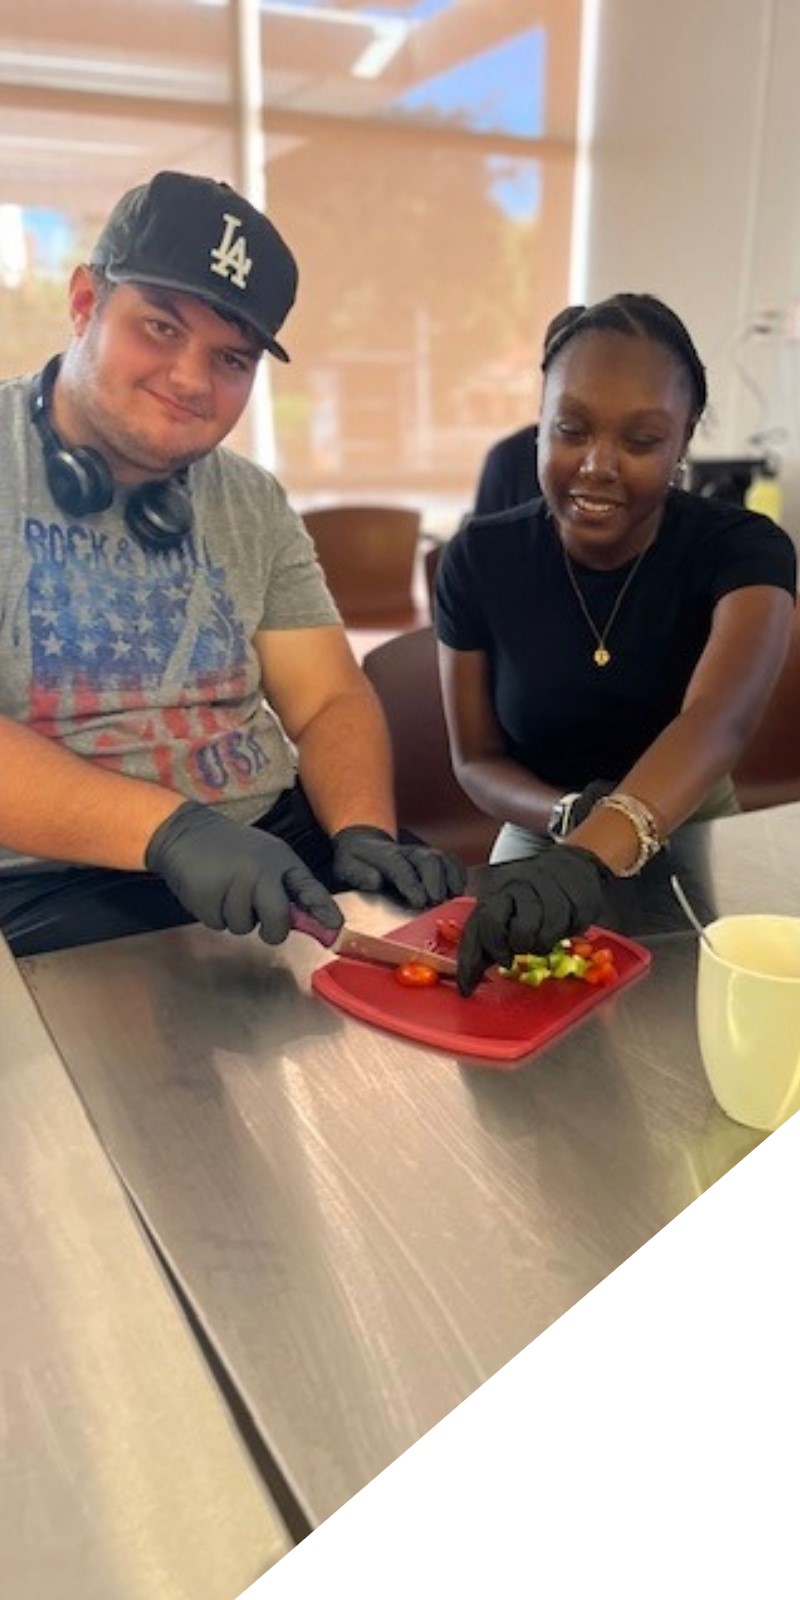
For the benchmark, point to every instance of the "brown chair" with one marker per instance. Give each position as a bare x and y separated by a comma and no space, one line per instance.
368,554
430,802
768,771
430,564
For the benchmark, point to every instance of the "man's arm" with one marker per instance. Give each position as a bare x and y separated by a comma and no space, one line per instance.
332,715
65,808
59,806
334,718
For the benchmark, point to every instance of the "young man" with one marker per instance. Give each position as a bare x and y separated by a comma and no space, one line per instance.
184,732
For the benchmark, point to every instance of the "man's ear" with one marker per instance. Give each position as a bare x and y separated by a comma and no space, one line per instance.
83,298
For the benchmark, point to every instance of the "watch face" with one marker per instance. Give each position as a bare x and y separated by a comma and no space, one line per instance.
560,816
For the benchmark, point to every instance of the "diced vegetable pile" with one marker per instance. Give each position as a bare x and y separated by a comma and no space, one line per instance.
571,958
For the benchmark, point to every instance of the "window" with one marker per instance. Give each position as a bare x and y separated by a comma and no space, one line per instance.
419,160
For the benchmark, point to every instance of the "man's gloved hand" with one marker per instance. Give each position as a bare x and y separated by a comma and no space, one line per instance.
233,876
368,859
587,800
527,906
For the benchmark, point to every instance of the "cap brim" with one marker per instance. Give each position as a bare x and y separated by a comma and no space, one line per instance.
216,302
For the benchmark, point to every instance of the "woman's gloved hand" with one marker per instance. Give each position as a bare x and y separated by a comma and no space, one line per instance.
234,877
369,859
527,906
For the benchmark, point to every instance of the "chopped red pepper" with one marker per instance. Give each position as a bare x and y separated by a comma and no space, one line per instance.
601,968
582,947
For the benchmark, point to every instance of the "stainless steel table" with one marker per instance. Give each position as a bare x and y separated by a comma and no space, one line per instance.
367,1227
121,1474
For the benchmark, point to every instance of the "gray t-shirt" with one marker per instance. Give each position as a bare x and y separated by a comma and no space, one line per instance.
145,662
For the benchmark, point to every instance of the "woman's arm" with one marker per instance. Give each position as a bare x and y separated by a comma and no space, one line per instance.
498,785
724,702
725,699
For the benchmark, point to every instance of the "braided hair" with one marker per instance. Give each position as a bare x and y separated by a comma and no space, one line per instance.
640,316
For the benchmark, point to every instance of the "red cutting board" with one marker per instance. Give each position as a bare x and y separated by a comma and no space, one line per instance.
503,1020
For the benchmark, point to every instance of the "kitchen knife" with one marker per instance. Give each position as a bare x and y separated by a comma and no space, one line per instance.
369,947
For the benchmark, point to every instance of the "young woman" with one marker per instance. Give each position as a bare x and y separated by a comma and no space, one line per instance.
606,651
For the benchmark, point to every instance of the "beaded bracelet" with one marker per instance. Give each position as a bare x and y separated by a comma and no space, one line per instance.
644,824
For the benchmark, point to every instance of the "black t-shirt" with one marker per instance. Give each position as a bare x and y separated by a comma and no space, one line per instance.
508,475
502,587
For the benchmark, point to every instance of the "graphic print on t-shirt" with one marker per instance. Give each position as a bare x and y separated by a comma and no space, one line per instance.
140,660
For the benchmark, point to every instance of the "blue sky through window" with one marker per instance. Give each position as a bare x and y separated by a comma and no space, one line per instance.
415,13
516,186
52,236
500,91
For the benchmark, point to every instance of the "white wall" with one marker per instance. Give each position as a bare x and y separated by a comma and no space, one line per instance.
695,196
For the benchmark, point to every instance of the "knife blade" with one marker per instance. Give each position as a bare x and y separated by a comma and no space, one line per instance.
369,947
346,941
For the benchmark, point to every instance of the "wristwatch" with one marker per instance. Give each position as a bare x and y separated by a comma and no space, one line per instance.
559,821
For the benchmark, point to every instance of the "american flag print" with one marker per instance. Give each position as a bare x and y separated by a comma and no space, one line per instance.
142,660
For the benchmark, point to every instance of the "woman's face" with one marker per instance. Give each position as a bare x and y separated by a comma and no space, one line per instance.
615,420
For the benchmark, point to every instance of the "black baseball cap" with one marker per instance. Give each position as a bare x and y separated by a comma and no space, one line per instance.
199,236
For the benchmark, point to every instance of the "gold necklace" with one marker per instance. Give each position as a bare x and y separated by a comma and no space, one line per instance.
601,655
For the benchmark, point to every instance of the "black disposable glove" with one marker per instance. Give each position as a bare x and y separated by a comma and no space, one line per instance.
587,800
527,906
233,876
368,859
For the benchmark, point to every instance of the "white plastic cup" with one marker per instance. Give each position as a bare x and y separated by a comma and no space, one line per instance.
748,1017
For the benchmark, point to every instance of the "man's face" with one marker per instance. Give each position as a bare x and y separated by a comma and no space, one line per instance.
154,379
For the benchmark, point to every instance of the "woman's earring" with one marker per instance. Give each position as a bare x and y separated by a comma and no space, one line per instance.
678,479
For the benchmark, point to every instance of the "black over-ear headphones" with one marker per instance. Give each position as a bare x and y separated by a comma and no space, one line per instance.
158,514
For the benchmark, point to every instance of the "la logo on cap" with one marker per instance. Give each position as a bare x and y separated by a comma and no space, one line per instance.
229,259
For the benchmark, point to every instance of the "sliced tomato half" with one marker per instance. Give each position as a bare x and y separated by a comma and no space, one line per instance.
416,975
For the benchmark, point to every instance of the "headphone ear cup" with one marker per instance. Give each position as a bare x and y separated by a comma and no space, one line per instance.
79,480
159,514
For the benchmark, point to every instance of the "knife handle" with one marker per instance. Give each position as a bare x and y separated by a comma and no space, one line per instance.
303,922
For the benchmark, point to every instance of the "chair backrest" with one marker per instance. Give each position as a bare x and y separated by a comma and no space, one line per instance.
405,675
768,771
367,554
430,562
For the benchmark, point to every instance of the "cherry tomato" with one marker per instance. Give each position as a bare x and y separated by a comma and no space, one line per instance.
448,930
415,975
582,947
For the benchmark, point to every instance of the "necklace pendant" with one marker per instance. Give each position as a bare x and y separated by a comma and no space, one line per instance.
602,656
